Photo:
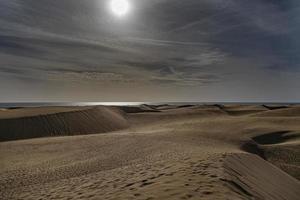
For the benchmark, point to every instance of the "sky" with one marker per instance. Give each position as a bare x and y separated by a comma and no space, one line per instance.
160,50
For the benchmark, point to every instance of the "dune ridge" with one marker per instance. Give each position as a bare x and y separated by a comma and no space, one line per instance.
293,111
253,177
89,120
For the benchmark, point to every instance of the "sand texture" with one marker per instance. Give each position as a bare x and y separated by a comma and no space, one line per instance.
151,152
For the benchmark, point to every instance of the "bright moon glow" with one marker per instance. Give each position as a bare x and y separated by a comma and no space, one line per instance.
119,7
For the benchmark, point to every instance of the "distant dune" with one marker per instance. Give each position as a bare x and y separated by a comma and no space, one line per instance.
293,111
243,109
138,109
210,152
27,123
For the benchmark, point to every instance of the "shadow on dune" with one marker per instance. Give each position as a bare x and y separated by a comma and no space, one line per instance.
255,144
275,137
84,121
273,148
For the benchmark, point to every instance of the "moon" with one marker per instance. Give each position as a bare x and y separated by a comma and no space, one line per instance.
119,7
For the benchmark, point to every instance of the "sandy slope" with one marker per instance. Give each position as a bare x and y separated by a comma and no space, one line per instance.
54,121
189,152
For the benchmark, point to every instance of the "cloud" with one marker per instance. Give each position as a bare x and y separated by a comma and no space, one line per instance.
161,43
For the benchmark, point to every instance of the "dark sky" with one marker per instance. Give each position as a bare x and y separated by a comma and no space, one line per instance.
161,50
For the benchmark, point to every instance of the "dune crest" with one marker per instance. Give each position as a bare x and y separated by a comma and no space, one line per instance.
28,123
293,111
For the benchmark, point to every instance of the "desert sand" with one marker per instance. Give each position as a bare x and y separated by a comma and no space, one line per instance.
151,152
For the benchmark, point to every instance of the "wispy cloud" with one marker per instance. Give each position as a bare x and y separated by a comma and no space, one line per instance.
174,43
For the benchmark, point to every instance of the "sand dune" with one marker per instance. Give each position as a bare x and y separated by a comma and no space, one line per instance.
177,152
138,109
238,110
293,111
55,121
255,178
